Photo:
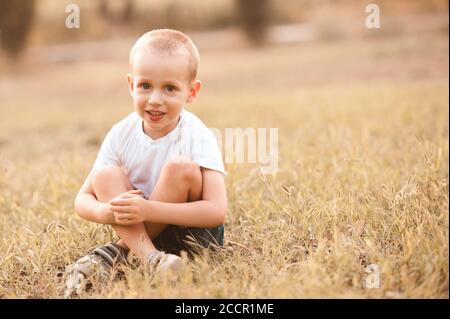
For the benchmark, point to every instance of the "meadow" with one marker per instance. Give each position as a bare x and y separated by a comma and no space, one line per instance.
362,179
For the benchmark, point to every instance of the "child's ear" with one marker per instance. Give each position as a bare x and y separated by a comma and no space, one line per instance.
130,83
193,92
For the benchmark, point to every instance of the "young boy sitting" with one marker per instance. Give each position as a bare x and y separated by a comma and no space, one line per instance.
158,179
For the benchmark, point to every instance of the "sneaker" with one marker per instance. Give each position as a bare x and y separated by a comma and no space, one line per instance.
100,261
161,261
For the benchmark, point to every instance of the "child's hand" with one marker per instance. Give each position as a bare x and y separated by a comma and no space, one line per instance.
129,194
129,208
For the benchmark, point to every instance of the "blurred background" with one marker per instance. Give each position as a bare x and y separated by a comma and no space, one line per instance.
37,27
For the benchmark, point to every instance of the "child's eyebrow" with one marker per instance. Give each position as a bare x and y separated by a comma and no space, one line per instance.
175,83
142,80
166,82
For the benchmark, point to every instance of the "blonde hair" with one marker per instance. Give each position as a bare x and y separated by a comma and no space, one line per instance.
168,41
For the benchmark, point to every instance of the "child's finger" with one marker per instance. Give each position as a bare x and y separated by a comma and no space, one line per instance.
120,218
126,222
123,217
125,196
128,195
119,202
134,192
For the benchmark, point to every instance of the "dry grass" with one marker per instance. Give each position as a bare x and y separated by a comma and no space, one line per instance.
363,178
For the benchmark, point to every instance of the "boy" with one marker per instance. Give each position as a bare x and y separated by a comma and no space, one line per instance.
158,177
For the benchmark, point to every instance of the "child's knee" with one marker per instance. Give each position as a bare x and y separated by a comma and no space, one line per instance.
108,174
182,170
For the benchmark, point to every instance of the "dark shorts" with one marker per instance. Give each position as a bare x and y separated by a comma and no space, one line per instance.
173,239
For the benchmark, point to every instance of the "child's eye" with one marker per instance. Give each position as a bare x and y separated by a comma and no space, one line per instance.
145,86
170,88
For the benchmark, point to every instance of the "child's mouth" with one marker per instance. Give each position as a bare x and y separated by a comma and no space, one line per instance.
155,115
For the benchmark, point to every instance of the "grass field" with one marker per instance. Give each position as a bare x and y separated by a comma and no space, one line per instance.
362,179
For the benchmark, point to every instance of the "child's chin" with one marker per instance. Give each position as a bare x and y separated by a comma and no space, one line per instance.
153,125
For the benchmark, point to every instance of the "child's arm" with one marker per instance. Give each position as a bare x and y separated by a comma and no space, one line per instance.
88,207
208,212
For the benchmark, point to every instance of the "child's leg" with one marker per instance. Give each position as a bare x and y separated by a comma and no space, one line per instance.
107,184
180,181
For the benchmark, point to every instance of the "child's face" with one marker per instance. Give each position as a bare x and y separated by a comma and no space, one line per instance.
160,86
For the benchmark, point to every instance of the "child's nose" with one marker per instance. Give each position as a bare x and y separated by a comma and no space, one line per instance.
154,97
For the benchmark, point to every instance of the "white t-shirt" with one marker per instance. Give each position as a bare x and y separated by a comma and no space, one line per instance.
127,145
